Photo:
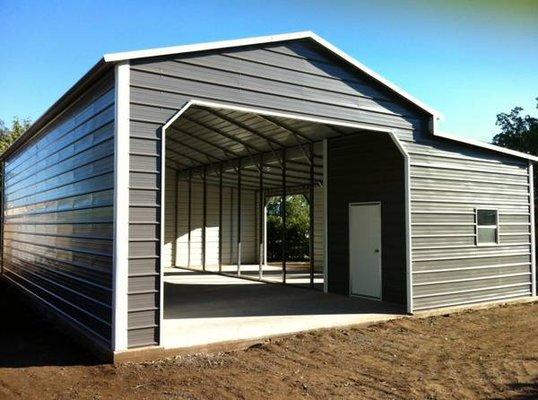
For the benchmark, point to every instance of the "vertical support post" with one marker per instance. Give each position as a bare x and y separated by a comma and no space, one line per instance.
325,220
220,217
533,228
189,220
311,215
261,206
239,217
408,219
204,218
283,216
176,217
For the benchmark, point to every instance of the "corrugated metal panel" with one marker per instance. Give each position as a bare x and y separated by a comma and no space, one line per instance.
58,214
355,175
447,183
229,226
279,81
319,228
300,78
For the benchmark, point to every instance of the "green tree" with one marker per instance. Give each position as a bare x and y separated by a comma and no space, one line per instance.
297,228
518,132
9,135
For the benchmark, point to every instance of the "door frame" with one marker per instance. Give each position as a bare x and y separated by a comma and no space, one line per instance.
367,203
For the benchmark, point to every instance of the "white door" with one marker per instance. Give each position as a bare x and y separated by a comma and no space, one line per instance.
365,250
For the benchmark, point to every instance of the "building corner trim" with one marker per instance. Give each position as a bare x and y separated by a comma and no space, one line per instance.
121,209
408,245
533,233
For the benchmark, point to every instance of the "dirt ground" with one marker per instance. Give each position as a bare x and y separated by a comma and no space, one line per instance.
486,354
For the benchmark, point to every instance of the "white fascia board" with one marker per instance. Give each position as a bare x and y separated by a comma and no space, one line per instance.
223,44
129,55
484,145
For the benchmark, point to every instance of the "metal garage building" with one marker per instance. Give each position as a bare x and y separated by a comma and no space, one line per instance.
166,157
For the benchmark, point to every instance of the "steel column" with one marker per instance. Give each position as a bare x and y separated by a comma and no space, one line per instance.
261,208
189,221
239,217
283,216
204,218
311,204
176,218
220,218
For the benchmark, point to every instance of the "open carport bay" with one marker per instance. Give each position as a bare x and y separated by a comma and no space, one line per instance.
206,308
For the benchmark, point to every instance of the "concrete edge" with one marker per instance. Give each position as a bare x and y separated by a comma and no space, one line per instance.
146,354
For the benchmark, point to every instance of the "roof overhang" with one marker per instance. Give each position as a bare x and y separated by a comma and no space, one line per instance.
488,146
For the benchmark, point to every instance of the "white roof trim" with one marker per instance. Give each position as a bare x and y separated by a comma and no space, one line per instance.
129,55
162,51
484,145
223,44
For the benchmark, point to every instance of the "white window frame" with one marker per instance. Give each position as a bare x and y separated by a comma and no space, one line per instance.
496,226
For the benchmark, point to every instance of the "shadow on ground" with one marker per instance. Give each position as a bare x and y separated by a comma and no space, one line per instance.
196,294
27,339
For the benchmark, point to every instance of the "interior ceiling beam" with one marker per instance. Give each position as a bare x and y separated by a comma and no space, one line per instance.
209,156
247,174
246,128
225,134
192,159
229,152
270,141
268,159
178,164
286,127
248,147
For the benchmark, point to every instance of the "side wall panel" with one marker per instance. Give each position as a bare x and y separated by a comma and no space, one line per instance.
228,229
448,182
58,231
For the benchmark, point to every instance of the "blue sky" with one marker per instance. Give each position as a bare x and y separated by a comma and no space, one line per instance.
469,62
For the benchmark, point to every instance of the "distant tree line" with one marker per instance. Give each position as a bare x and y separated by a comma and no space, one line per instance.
297,228
9,134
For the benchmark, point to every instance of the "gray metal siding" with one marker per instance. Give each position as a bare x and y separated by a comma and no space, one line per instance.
296,77
355,175
58,214
291,77
448,181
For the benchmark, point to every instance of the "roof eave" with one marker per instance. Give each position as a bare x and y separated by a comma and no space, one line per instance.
477,143
57,108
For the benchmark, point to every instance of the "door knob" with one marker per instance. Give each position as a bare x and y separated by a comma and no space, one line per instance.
376,251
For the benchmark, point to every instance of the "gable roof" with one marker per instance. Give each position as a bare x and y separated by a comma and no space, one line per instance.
109,60
163,51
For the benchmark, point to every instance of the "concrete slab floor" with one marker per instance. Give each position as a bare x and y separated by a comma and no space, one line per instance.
207,308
